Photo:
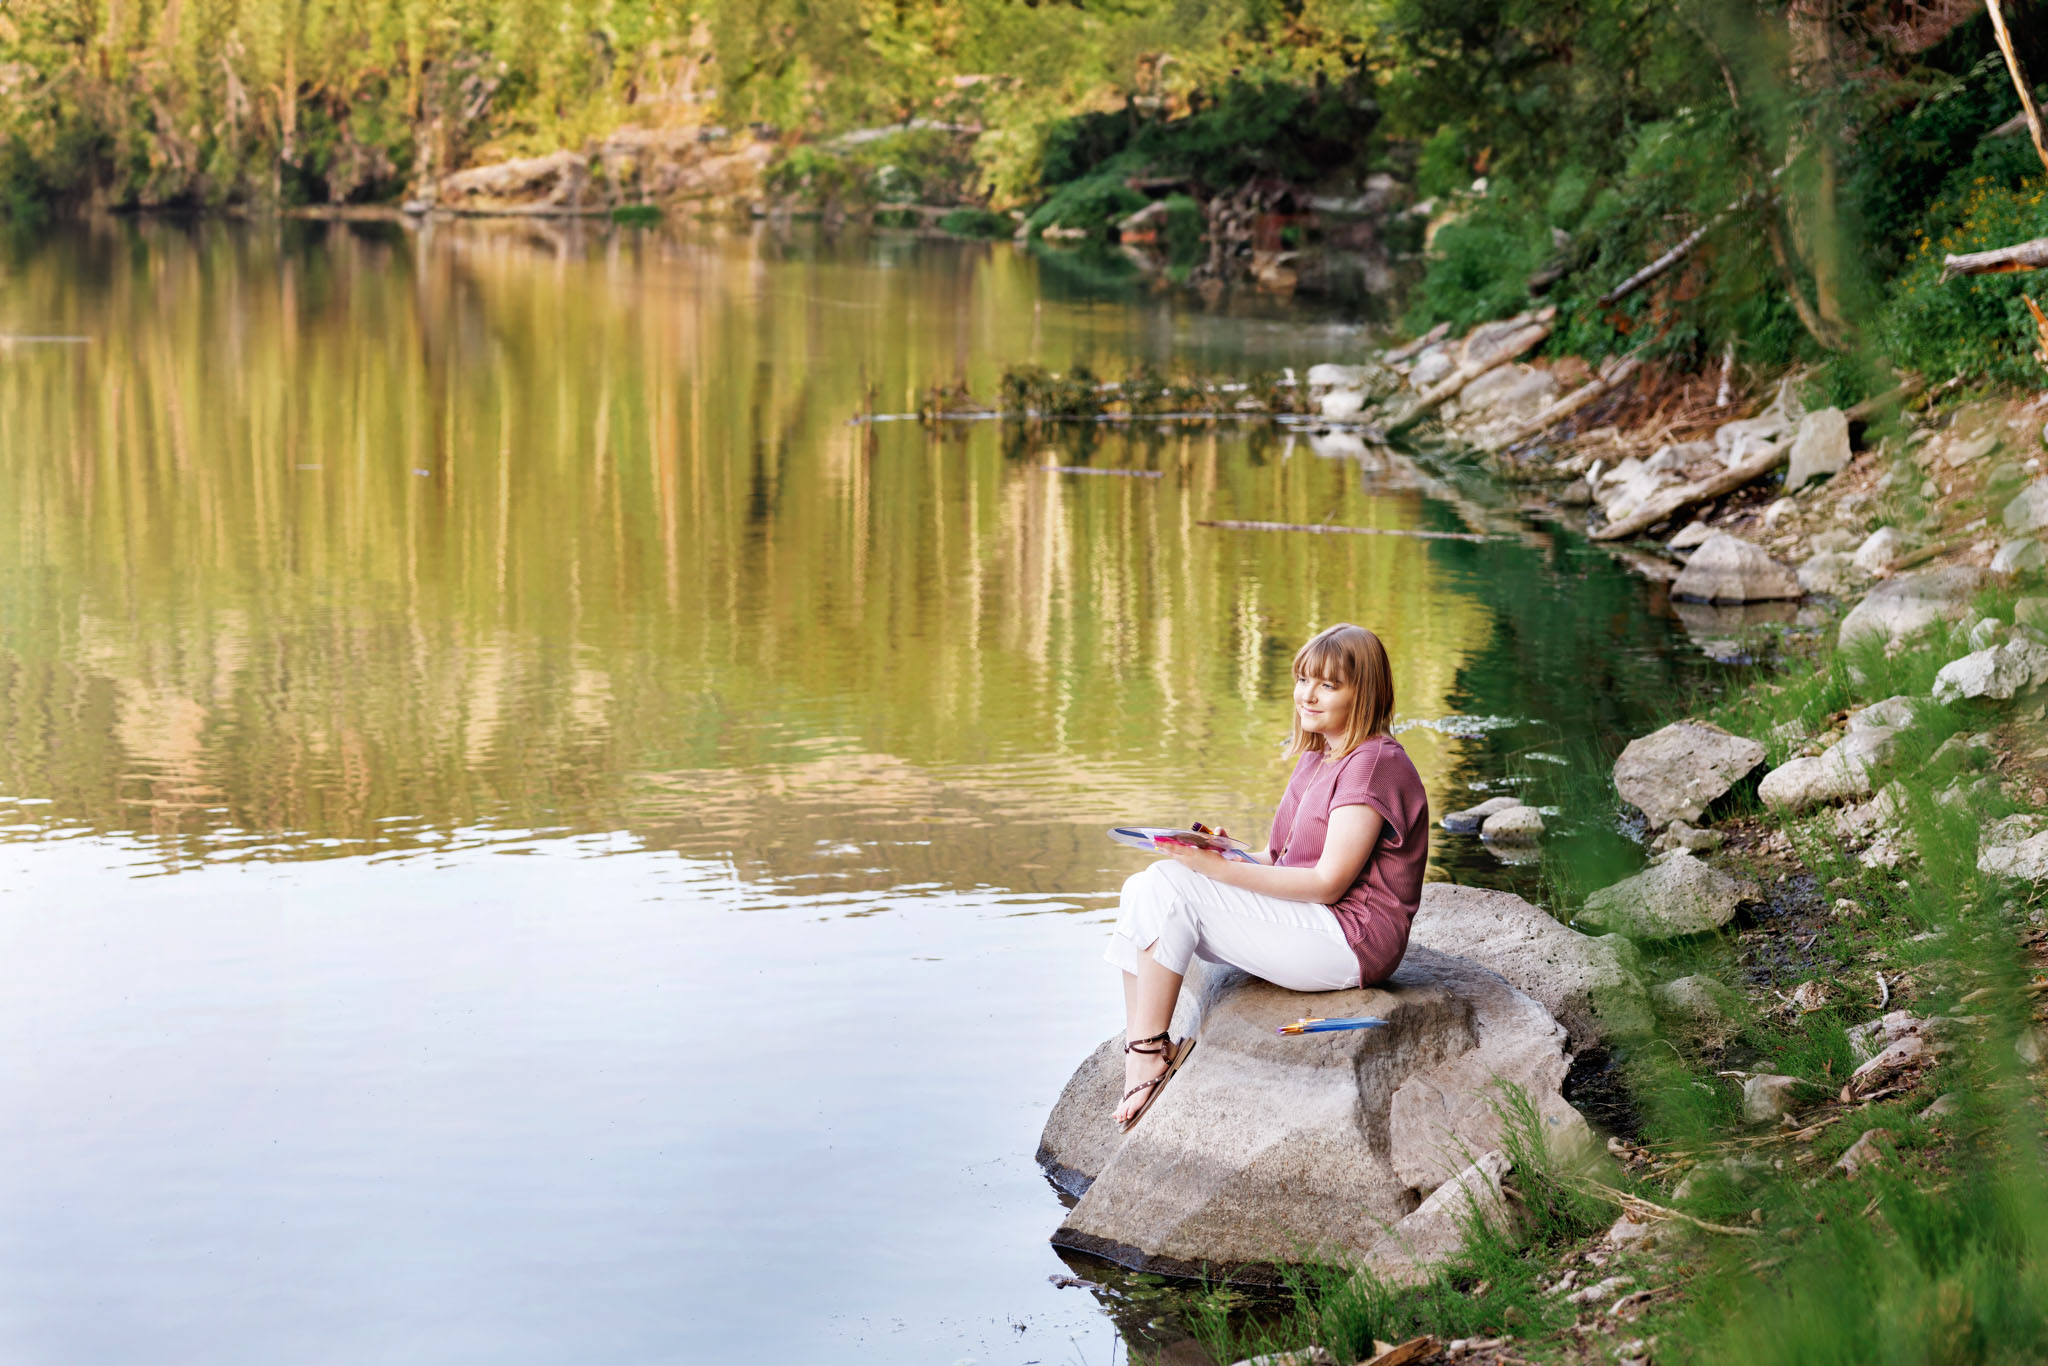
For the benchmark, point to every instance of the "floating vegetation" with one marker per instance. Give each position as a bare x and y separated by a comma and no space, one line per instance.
1032,394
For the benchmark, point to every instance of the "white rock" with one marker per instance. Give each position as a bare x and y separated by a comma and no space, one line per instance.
1432,365
1728,569
1894,711
1999,673
1332,376
2028,511
1516,825
1677,895
1474,817
1879,549
1832,572
1843,772
1900,608
1767,1097
1343,403
1677,772
2025,860
1819,447
1693,534
2020,557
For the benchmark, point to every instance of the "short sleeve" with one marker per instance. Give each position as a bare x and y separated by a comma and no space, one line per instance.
1370,779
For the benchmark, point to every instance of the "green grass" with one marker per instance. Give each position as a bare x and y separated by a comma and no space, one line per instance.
637,215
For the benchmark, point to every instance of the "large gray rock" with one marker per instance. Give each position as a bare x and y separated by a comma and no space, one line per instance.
2022,556
1676,773
1590,984
2028,511
1911,603
1729,569
1677,895
1820,447
1847,771
1879,549
1264,1145
1998,673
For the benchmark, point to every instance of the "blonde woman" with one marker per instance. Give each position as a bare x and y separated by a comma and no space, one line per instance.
1327,904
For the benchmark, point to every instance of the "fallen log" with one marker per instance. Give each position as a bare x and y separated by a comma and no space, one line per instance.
1999,260
1663,504
1495,352
1871,407
1573,402
1427,339
1325,530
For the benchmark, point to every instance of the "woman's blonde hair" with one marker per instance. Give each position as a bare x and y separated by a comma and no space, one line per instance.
1347,654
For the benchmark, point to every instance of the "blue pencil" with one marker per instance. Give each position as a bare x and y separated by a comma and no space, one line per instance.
1317,1025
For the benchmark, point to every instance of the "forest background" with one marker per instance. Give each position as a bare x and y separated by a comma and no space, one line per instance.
1832,151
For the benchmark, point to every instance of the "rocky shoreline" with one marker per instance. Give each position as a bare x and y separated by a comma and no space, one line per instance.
1835,947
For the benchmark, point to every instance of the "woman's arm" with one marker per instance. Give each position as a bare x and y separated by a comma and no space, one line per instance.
1354,830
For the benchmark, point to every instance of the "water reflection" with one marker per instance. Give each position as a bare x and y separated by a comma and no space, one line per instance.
344,561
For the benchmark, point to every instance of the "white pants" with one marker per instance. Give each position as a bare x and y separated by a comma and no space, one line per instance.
1179,914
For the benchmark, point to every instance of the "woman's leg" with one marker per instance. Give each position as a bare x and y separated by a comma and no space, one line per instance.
1155,935
1171,914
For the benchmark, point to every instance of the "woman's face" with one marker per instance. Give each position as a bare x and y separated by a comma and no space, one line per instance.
1323,706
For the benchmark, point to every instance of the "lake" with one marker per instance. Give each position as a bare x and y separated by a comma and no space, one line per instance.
530,836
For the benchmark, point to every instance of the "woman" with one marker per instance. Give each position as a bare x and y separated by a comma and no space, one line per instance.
1328,903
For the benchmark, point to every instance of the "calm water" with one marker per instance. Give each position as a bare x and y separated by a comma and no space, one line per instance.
529,838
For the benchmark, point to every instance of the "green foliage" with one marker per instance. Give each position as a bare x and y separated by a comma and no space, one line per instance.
637,215
1445,166
979,223
1093,204
1186,231
1481,264
1973,323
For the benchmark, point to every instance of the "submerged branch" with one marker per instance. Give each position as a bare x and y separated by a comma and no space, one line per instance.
1321,530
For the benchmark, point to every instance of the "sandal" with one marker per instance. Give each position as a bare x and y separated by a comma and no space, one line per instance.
1174,1053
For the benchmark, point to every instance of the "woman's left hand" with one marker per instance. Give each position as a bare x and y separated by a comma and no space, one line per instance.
1207,862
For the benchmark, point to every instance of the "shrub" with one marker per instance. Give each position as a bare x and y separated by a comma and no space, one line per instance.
1092,203
982,223
1975,323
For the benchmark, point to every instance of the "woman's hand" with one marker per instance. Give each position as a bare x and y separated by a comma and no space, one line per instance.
1204,861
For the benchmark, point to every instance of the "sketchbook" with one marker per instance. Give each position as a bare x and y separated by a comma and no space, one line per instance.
1147,837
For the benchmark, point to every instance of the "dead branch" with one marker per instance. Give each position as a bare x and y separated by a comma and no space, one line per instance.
2019,80
1675,255
1571,403
1664,504
1871,407
1999,260
1427,339
1323,530
1632,1205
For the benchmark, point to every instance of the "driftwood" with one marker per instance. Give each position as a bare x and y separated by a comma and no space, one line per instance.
1429,338
1672,257
1508,340
1579,398
1323,530
1668,501
2019,80
2021,256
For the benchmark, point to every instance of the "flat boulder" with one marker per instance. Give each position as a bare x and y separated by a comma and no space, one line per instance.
1588,983
2016,847
1677,895
1265,1146
1911,603
1729,569
1516,825
1676,773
